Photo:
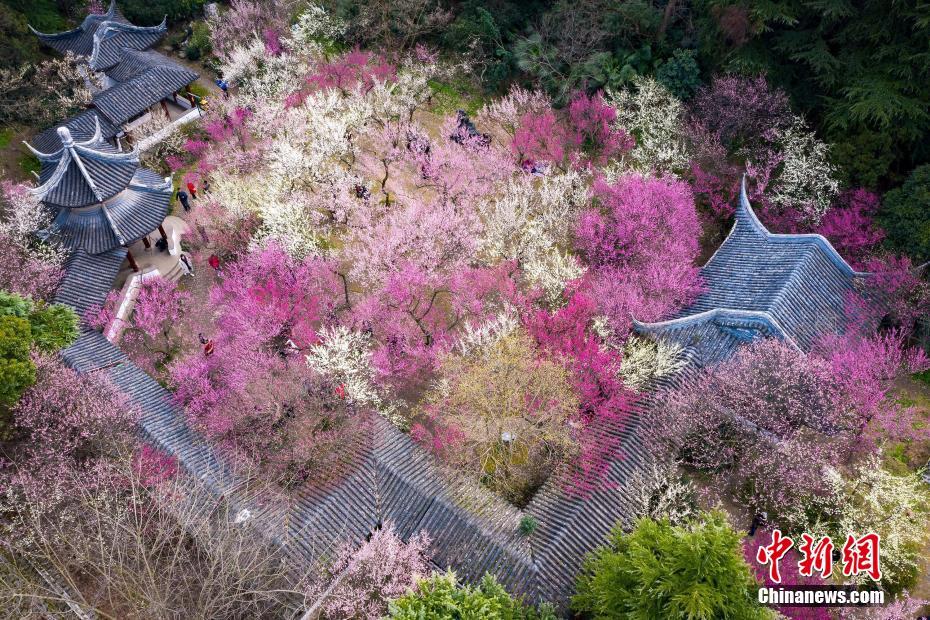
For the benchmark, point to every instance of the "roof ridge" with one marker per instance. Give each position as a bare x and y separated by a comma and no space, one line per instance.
107,26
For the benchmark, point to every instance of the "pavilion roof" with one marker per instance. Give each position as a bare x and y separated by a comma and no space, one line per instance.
83,127
145,78
85,172
129,216
101,38
794,286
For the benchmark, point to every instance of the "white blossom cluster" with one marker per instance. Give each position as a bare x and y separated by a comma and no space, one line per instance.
654,117
530,222
807,180
312,30
646,360
484,336
344,356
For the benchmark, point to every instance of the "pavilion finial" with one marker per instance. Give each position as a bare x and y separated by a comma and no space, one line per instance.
65,134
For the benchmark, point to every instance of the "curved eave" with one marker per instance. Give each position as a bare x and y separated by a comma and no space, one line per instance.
768,320
746,215
114,29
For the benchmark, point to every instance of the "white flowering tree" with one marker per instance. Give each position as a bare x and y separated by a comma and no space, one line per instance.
655,118
893,506
793,171
530,222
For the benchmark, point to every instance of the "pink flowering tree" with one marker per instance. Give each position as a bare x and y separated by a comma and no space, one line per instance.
68,422
246,20
587,136
740,110
866,368
150,335
605,404
382,569
763,424
250,388
851,228
640,244
355,71
415,315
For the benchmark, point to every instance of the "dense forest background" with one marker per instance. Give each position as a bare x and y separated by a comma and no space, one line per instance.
859,71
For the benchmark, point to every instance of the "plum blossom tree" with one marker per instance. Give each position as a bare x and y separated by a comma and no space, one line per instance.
255,395
640,246
30,267
894,507
567,335
748,421
246,20
70,420
414,316
382,569
586,137
530,223
865,368
655,118
740,110
502,414
850,227
150,334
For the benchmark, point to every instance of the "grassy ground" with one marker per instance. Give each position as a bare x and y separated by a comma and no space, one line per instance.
15,162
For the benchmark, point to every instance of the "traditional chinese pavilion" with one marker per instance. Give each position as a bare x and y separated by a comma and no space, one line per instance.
134,78
100,197
761,284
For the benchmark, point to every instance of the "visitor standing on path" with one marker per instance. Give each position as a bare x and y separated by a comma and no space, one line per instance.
185,263
214,261
182,198
192,189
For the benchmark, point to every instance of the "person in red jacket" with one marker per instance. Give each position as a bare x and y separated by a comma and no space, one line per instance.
192,190
214,262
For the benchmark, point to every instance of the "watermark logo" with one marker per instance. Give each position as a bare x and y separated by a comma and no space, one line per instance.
860,555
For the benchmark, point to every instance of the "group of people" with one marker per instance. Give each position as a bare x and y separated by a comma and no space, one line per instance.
191,194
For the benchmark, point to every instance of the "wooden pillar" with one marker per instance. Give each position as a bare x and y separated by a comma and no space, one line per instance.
164,235
146,243
164,106
132,261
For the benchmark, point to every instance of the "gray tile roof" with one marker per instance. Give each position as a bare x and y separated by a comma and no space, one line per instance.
101,38
83,173
118,48
82,125
127,100
80,41
792,286
88,279
114,39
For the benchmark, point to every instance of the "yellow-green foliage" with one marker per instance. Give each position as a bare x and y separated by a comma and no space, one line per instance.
511,410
